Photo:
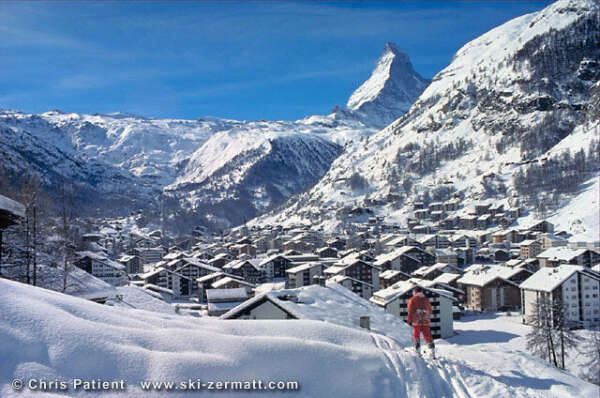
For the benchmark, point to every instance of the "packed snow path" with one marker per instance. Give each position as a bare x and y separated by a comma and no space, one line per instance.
471,371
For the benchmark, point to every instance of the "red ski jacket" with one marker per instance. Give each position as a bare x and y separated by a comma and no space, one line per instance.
419,310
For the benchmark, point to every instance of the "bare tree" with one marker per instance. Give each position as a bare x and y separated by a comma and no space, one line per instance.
540,339
66,232
565,337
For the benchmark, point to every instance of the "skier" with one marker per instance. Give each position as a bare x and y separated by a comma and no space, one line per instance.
419,311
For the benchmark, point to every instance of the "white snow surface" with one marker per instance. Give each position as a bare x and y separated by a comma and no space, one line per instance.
44,334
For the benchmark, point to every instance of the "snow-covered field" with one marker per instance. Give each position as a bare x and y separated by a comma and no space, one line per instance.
49,335
488,336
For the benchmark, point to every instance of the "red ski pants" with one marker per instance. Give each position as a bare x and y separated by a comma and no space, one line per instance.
417,329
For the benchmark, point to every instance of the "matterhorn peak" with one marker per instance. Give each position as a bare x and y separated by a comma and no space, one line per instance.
390,91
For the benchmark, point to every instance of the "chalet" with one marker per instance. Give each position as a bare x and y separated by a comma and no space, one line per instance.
549,241
575,286
303,275
191,267
262,244
483,221
482,208
248,269
174,255
500,255
401,241
219,260
563,255
355,268
445,256
464,255
451,205
398,260
431,272
394,300
275,266
222,300
487,289
463,240
361,288
243,248
389,277
499,237
418,205
177,284
181,285
448,278
154,277
496,208
204,283
337,243
149,255
422,214
327,251
530,248
102,267
436,206
298,244
431,240
541,226
133,264
11,212
229,282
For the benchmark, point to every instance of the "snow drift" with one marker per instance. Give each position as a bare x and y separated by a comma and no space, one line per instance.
49,335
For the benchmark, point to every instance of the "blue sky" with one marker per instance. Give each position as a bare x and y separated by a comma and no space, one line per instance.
242,60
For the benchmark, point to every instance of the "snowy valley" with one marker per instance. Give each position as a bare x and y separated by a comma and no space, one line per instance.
137,252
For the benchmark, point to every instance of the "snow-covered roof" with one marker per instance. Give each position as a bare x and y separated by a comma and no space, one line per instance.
157,288
126,257
389,294
303,267
12,206
225,280
561,253
139,298
101,258
333,304
484,275
153,272
447,277
394,254
390,273
236,294
547,279
341,278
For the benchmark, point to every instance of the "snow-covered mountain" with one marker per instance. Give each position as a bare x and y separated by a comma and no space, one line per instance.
390,91
220,171
505,101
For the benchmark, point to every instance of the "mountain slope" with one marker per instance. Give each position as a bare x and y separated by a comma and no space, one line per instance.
507,98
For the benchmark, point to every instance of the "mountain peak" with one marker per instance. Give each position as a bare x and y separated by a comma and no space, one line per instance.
395,50
390,90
